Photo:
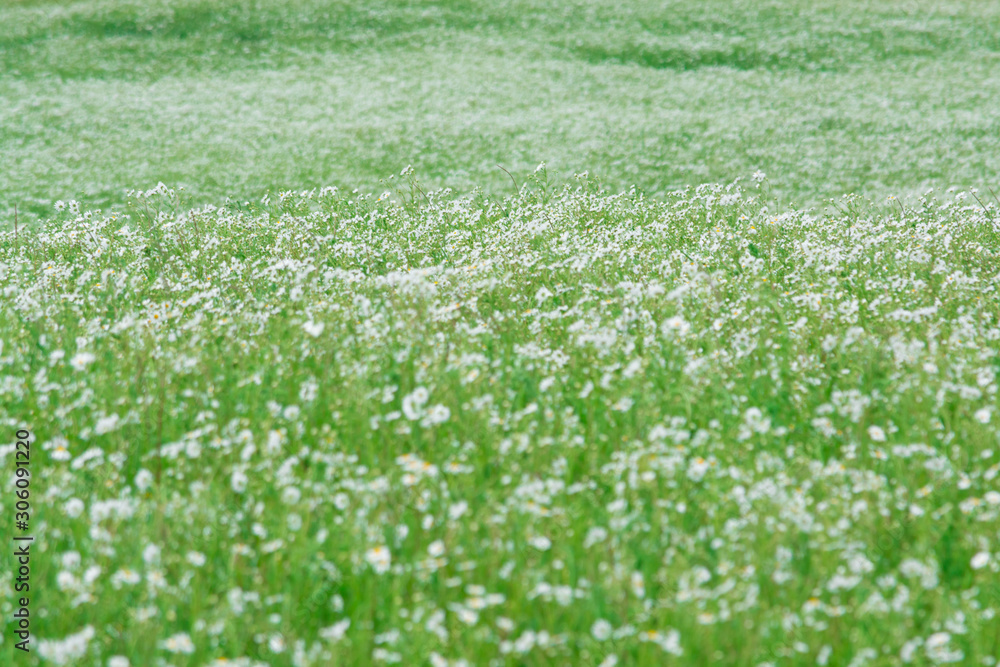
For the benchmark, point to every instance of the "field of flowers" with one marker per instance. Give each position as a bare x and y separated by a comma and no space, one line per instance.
562,427
863,96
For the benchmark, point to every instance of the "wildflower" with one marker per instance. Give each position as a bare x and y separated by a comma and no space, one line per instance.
623,404
143,479
379,559
81,360
937,648
276,643
540,542
238,481
59,448
669,642
178,643
456,511
601,630
697,469
67,651
437,414
151,554
73,507
290,495
676,325
106,424
314,329
413,403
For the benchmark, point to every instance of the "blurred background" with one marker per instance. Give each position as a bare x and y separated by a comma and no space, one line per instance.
234,98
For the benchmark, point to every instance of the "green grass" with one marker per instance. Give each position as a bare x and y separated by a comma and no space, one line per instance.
231,99
751,424
586,427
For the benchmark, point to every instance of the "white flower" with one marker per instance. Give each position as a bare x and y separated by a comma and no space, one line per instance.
59,448
697,469
676,325
669,642
65,580
143,479
980,560
66,651
118,661
73,507
81,360
124,577
308,391
276,643
413,403
335,632
672,643
876,433
196,558
467,616
936,641
151,554
938,651
274,441
909,649
379,558
638,585
106,424
541,543
456,511
437,414
238,481
623,404
436,548
983,415
601,630
314,329
594,536
179,643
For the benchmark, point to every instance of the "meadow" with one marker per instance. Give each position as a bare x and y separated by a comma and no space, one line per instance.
310,381
233,99
566,427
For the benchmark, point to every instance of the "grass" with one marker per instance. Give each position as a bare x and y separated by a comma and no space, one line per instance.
562,427
489,418
861,97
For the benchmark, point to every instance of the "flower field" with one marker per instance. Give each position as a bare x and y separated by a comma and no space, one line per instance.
558,427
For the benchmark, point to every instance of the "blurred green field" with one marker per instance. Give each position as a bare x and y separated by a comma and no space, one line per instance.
231,99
